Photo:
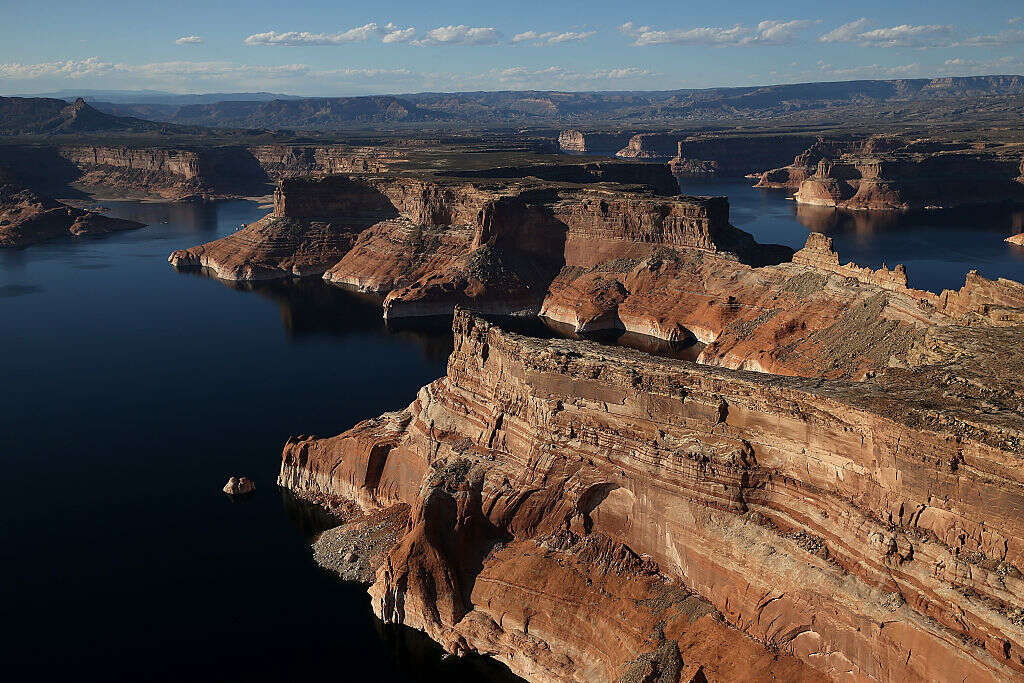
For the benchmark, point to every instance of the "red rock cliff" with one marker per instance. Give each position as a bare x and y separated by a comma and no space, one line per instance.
567,498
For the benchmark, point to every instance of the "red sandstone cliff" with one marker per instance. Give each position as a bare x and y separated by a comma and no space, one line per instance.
578,511
585,512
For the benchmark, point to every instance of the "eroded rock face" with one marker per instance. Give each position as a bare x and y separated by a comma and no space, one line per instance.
578,510
28,218
887,172
210,172
699,156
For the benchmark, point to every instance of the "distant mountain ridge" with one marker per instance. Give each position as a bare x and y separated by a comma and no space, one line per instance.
45,116
511,107
160,97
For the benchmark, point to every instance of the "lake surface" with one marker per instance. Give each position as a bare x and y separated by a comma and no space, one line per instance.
131,392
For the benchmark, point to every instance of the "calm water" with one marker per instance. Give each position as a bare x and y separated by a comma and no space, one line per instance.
937,247
131,392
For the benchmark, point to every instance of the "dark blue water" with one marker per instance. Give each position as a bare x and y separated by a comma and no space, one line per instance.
130,392
937,247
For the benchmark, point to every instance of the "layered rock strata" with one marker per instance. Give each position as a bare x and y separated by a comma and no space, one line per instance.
734,155
596,257
584,512
28,218
429,244
889,172
210,172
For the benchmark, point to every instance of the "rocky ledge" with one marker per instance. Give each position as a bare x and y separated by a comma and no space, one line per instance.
584,512
28,218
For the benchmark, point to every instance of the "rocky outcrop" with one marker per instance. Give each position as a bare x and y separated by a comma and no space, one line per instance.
591,143
735,156
1017,239
650,146
28,218
239,486
888,172
583,512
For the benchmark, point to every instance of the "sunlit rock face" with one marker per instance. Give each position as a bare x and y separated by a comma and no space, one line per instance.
851,510
575,506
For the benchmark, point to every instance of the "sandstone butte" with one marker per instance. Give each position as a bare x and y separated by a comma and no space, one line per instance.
852,511
27,218
888,172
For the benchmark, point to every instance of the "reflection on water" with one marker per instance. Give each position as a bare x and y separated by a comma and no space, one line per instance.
870,224
310,519
195,217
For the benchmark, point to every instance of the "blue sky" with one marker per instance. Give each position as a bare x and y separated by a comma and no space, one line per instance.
345,48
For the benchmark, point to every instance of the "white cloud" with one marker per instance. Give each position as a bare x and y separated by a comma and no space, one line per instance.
1014,20
959,66
1001,39
871,71
846,33
552,37
187,76
293,38
73,69
393,34
768,32
773,32
907,35
188,40
904,35
460,35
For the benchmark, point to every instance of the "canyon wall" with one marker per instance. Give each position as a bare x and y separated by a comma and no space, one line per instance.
889,172
568,500
734,156
596,257
591,143
210,172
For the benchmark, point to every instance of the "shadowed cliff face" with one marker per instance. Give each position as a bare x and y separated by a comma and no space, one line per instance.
199,172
